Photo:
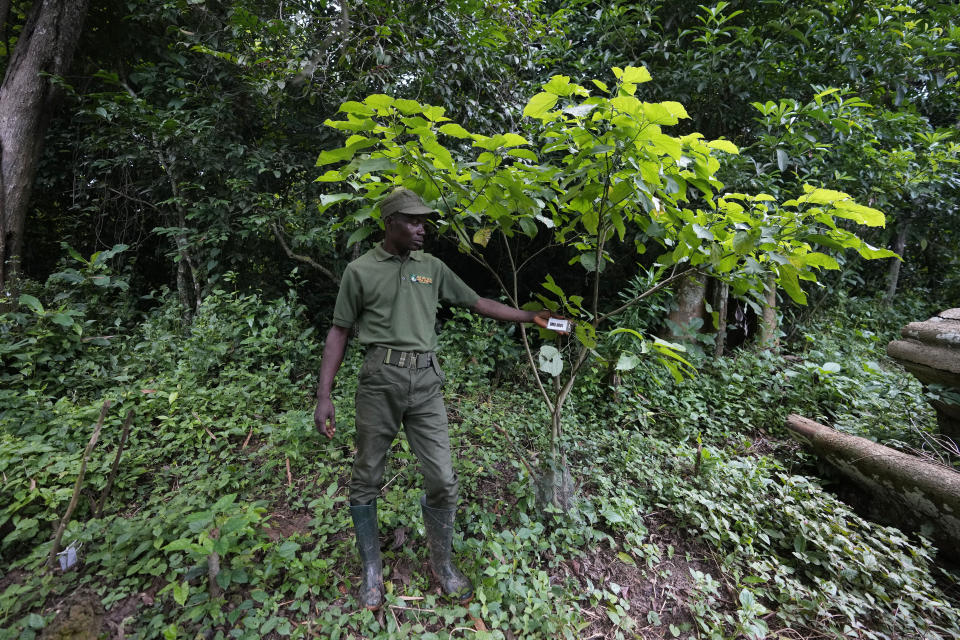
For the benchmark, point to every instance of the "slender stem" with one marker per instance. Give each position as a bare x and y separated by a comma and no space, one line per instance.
660,285
116,464
58,536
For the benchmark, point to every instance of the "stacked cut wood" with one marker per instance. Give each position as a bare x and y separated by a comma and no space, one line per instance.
930,350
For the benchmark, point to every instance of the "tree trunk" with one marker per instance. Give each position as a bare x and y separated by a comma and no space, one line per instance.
913,490
769,333
27,96
899,246
688,306
721,292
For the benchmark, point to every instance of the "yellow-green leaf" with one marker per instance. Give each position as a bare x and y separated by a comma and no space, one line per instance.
540,105
482,236
635,75
724,145
455,130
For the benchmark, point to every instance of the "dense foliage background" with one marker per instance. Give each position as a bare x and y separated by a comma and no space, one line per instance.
179,259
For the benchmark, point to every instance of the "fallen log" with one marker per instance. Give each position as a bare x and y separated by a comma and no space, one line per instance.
916,491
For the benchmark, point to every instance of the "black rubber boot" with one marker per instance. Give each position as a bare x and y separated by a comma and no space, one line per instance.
439,527
368,545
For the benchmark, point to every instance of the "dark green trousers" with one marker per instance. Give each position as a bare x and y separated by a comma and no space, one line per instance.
388,397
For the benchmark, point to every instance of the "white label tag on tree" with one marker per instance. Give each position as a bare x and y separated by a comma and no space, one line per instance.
557,324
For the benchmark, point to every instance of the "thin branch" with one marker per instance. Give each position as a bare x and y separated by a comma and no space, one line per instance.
301,258
58,536
660,285
116,464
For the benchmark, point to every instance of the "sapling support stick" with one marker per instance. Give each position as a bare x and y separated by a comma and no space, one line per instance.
58,536
116,464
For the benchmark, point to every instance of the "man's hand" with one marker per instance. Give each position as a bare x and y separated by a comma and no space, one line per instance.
325,417
543,316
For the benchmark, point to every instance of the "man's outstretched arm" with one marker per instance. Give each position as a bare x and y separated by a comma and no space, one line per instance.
504,313
324,417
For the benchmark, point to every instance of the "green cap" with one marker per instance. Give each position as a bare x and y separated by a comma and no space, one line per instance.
403,201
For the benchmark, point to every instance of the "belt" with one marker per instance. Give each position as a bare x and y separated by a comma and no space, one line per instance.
408,359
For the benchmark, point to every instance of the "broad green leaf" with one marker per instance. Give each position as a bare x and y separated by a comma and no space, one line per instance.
586,334
635,75
658,114
627,104
407,107
224,502
442,156
328,199
783,159
539,105
702,232
454,129
550,360
379,101
435,114
529,227
552,287
872,253
601,85
354,144
180,592
356,108
30,301
371,165
513,140
822,260
589,261
331,175
831,367
858,213
627,361
591,221
559,85
677,110
359,235
724,145
525,154
788,280
62,319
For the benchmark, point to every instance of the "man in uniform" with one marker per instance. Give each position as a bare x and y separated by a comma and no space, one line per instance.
391,293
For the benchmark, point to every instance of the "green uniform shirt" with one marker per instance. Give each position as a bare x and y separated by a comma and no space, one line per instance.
394,301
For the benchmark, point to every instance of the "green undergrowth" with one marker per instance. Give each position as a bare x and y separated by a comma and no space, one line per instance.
692,486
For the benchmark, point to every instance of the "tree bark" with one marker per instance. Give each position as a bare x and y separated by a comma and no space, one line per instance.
27,96
769,338
721,293
899,246
688,305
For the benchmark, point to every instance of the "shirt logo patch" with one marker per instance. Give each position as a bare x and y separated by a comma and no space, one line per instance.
420,279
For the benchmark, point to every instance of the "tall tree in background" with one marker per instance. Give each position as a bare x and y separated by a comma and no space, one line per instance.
45,47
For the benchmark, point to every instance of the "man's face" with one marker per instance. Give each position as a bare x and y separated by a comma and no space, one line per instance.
406,233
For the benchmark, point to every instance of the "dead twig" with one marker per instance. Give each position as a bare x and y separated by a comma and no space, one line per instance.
58,536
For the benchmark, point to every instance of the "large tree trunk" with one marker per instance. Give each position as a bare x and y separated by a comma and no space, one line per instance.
899,246
45,46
